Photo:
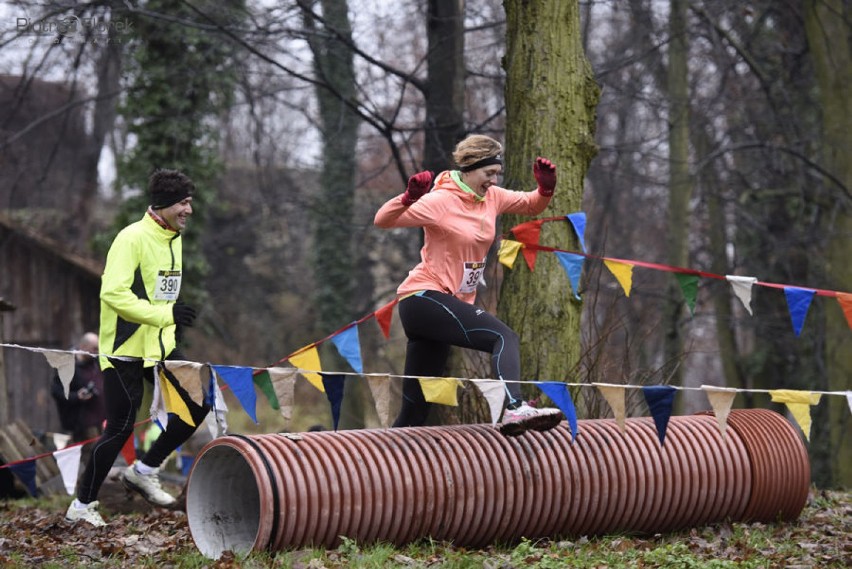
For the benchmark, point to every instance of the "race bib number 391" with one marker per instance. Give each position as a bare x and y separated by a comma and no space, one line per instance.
472,274
167,286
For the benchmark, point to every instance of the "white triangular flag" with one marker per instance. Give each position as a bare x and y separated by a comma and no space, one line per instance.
720,399
68,461
284,384
158,404
380,390
64,364
216,420
494,392
614,395
742,288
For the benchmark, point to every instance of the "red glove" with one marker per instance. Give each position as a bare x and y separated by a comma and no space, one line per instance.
545,174
418,184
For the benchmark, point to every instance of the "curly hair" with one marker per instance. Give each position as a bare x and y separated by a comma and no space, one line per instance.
474,148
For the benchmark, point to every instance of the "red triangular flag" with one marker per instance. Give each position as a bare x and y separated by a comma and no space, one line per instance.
383,317
845,300
528,232
128,451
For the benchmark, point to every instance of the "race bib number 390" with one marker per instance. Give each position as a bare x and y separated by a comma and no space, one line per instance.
472,274
167,286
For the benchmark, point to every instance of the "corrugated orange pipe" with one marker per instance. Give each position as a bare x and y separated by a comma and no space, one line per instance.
470,485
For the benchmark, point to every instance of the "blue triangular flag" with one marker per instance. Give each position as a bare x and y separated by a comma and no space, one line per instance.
798,302
26,472
578,220
350,347
659,399
573,265
559,394
239,379
333,384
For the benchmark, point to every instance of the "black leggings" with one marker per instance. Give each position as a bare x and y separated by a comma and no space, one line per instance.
434,321
123,389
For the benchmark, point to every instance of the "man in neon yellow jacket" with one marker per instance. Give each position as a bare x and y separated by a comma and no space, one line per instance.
140,314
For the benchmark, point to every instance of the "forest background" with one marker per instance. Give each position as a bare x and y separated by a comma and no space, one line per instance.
708,135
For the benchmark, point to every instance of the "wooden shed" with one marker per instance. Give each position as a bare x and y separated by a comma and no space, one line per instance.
55,295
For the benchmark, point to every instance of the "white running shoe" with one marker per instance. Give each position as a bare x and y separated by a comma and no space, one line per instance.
148,485
87,513
524,417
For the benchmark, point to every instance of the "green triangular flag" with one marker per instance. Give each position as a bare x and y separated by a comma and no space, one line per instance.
689,286
264,383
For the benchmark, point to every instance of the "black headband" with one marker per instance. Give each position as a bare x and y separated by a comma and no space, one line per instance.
482,163
160,200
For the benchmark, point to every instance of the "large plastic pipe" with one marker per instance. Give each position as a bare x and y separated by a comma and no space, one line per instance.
471,485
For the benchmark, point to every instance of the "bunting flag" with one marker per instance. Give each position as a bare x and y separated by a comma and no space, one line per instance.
614,395
721,399
559,394
68,461
284,384
623,273
798,303
441,390
158,405
334,384
845,301
128,449
529,232
659,399
494,392
60,440
508,252
384,315
239,380
799,403
742,289
689,286
849,400
26,473
217,419
578,221
309,360
573,265
63,362
173,401
349,347
380,390
190,376
264,383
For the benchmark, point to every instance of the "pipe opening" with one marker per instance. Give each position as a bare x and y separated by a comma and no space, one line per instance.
223,502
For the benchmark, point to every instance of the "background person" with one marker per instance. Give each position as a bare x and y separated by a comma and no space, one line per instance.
437,309
139,316
83,412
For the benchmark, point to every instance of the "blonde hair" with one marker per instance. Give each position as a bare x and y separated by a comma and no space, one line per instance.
474,148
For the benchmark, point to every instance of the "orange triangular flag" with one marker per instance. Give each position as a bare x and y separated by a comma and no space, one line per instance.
529,232
383,317
845,300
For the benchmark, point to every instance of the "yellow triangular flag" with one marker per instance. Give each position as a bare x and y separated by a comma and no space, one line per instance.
720,399
309,360
173,401
494,392
614,395
799,403
623,272
380,389
508,252
442,390
284,384
189,377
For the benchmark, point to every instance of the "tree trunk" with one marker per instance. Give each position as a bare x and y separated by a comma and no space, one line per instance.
680,186
445,85
551,97
828,32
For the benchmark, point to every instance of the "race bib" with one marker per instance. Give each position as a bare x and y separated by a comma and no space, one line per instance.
472,274
167,286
